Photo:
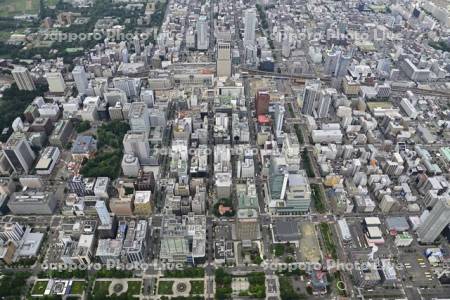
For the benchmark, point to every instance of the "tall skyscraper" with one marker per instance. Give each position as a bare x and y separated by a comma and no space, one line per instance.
249,26
19,153
262,100
435,222
81,79
55,82
202,33
324,104
23,79
336,63
136,143
223,59
298,195
310,95
102,212
278,177
112,96
279,117
131,86
148,97
137,45
139,117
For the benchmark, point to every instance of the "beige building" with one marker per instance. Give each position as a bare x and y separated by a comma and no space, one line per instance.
223,59
350,87
7,252
247,224
142,203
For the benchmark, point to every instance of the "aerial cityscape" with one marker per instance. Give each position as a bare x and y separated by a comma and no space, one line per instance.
224,149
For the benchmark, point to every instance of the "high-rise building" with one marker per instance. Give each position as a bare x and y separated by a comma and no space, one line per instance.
336,63
137,45
247,224
298,195
324,104
102,212
202,33
139,117
223,59
23,79
55,82
136,143
148,97
81,79
262,100
112,96
278,177
310,95
11,231
249,26
435,222
131,86
18,152
279,117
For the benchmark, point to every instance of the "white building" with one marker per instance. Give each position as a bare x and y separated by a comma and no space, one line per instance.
139,117
81,79
249,26
202,33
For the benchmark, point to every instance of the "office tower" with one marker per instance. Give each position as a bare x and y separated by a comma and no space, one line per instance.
148,97
278,177
130,165
55,82
262,100
249,26
324,104
435,222
310,94
286,47
202,33
112,96
23,79
124,55
136,143
336,63
342,65
102,212
247,224
131,86
80,78
137,45
11,231
19,153
223,59
139,117
279,117
298,195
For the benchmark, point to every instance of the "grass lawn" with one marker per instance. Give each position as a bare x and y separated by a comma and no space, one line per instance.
39,287
134,288
10,8
165,288
197,287
101,288
77,287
